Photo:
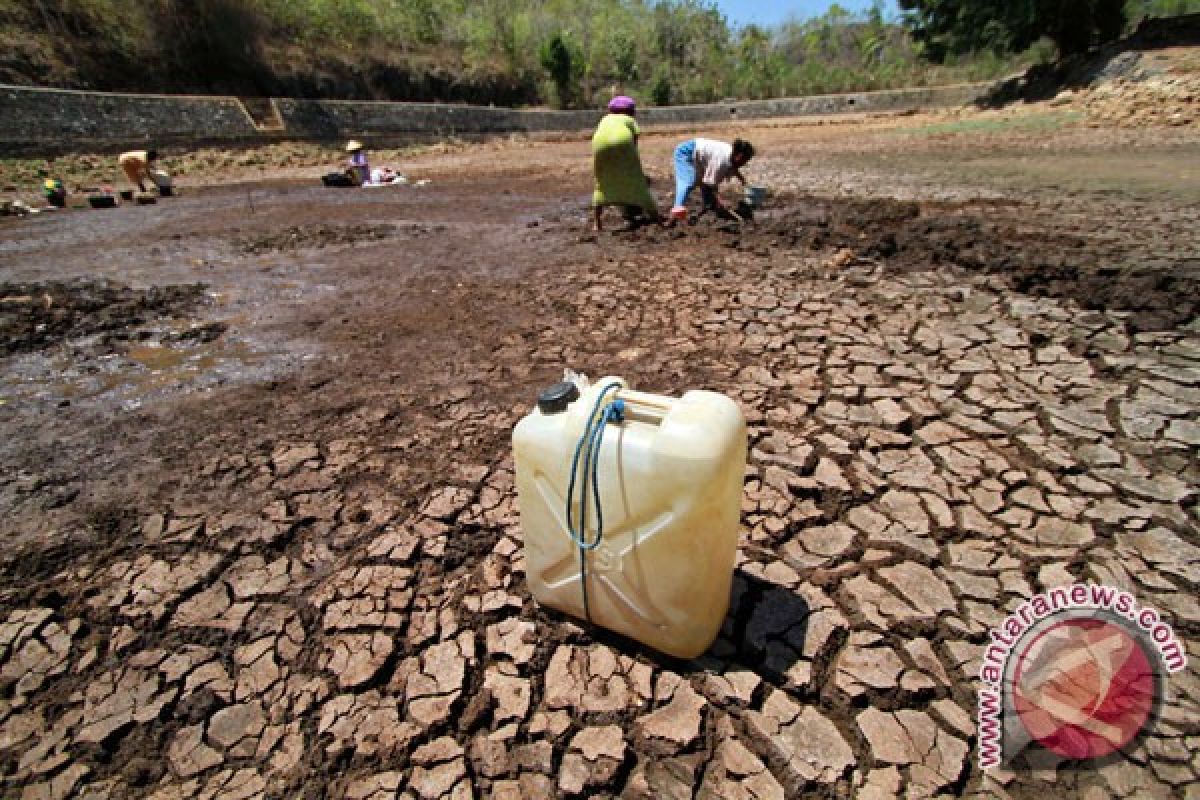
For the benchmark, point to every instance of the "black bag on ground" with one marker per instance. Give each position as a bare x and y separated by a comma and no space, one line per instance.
337,179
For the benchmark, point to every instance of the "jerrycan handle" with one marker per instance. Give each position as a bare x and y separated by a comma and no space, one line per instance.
643,407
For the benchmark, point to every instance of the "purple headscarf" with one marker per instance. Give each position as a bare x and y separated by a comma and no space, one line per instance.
621,104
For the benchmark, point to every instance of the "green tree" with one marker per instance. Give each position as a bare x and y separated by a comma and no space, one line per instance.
951,27
660,90
760,66
561,59
621,49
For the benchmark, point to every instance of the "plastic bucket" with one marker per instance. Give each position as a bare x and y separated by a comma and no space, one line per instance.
755,195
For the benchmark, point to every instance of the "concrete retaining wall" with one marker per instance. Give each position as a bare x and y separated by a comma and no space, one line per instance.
54,121
816,105
338,119
37,119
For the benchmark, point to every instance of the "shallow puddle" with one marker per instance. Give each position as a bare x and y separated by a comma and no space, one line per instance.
129,378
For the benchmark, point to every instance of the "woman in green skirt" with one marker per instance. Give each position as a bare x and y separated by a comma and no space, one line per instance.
617,165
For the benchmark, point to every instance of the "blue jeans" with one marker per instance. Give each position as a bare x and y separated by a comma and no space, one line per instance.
685,175
685,171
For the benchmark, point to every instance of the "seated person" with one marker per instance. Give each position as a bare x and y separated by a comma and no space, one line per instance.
358,168
56,193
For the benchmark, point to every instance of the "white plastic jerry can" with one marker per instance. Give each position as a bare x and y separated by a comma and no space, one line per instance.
648,543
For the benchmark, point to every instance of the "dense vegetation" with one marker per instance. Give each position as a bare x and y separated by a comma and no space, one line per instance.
945,27
568,52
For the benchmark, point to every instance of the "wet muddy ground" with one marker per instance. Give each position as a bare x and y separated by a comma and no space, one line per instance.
260,535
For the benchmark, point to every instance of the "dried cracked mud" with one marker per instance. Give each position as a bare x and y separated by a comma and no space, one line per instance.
260,534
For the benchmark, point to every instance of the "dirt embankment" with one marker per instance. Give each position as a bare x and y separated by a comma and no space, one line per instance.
1150,78
226,48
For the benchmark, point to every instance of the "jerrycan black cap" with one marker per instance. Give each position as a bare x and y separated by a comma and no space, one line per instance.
557,397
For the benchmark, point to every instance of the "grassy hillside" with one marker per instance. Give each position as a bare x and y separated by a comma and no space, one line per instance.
507,52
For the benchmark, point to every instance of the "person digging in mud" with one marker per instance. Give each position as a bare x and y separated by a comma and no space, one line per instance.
617,166
707,163
137,165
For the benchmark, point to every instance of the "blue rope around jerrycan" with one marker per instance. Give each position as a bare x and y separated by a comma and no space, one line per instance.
589,447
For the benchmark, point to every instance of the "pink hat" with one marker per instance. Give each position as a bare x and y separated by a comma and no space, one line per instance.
621,103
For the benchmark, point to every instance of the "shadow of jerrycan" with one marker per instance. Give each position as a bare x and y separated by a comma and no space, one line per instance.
647,545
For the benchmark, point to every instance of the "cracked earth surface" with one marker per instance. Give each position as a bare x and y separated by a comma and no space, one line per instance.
282,557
